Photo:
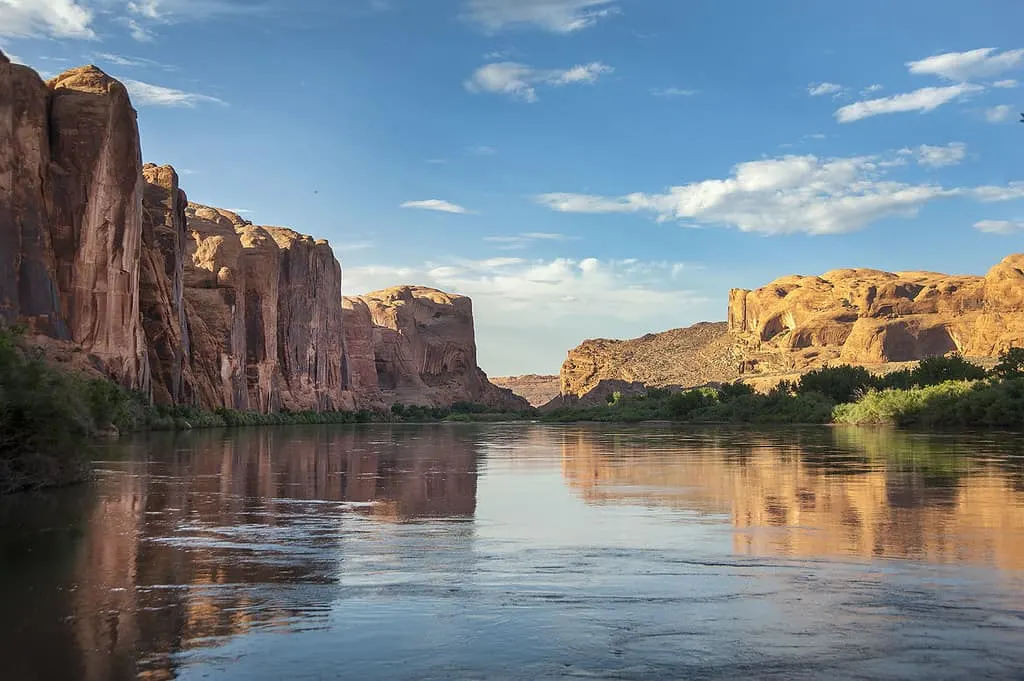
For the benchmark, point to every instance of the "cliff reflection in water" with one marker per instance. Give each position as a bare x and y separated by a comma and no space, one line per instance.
821,492
172,552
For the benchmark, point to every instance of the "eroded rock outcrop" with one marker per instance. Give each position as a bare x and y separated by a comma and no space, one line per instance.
863,316
424,349
70,214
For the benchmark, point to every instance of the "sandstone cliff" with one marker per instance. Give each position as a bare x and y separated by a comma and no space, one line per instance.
535,389
868,317
117,274
70,214
266,315
424,349
855,316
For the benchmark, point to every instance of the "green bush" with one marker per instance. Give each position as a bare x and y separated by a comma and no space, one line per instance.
1011,364
936,370
840,384
905,407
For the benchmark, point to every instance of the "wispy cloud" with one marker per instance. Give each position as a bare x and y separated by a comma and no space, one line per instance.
999,226
437,161
821,89
556,16
673,92
1007,84
998,114
147,94
793,194
985,62
481,150
132,62
436,205
49,18
520,81
525,239
922,100
940,157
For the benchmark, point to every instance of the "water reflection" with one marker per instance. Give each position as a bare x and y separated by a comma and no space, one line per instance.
520,552
822,492
186,539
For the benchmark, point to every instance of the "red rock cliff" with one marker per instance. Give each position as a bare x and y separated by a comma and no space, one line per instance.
70,214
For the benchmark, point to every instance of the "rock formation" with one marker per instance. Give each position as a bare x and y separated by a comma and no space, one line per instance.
424,349
851,316
116,273
267,316
862,316
70,214
687,357
535,389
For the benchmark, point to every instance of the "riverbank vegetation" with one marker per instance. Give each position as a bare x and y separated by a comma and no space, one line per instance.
939,392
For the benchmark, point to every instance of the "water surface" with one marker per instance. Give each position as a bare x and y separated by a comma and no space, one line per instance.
522,552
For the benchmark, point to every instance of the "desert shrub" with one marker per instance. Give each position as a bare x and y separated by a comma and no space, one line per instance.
905,407
935,370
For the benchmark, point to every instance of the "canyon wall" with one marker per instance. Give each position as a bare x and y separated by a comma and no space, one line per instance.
536,389
115,272
70,215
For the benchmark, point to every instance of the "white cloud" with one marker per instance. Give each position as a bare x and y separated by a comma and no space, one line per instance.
51,18
437,205
819,89
138,32
146,94
557,16
511,241
963,66
437,161
940,157
998,114
529,312
923,100
481,150
999,226
673,92
791,194
1007,84
871,89
520,81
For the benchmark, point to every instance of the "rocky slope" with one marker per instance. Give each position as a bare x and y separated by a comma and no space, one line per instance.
855,316
424,349
692,356
114,271
535,389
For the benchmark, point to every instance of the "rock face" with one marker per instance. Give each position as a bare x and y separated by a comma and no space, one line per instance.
70,214
865,316
161,287
535,389
424,349
266,316
696,355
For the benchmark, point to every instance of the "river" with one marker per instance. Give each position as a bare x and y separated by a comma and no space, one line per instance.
522,552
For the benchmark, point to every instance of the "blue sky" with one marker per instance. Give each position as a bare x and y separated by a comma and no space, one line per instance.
581,168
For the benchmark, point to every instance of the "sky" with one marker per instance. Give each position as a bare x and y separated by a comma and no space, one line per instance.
580,168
